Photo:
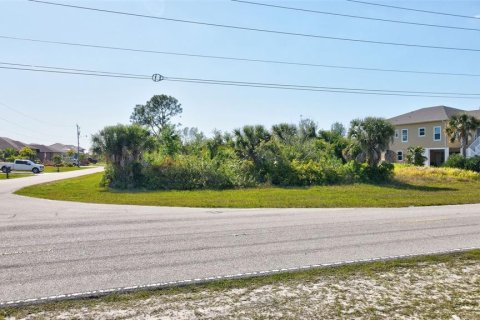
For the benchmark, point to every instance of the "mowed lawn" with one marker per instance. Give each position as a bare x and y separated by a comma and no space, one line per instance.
3,176
63,169
48,169
412,187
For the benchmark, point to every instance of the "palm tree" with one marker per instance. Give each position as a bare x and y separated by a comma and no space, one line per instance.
123,147
415,155
284,132
460,128
373,135
247,140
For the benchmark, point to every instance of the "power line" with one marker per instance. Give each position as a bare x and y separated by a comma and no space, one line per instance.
355,16
454,95
416,10
411,45
78,73
25,128
27,115
70,69
82,71
280,62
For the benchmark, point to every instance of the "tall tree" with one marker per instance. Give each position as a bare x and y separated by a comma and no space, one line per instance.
373,136
338,128
156,113
307,129
460,127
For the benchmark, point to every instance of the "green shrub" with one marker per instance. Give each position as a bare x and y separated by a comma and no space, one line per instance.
415,156
455,161
382,173
460,162
186,173
473,163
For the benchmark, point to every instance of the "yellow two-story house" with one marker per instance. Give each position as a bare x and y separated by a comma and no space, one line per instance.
426,128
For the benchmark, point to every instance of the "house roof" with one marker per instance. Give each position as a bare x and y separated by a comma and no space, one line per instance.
59,147
438,113
475,113
43,148
10,143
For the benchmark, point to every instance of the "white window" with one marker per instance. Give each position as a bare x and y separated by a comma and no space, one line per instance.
437,133
399,155
421,132
404,135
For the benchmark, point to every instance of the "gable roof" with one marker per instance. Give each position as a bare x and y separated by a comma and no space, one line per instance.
63,148
10,143
438,113
43,148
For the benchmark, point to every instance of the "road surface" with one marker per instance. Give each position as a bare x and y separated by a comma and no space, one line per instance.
50,248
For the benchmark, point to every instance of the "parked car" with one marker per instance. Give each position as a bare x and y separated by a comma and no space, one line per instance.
22,165
91,160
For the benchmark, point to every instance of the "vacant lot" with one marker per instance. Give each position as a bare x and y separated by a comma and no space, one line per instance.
436,287
411,187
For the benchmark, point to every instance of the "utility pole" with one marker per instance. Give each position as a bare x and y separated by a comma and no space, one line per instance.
78,145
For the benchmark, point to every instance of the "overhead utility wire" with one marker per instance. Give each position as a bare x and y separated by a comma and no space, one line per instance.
96,74
70,69
26,128
416,10
307,35
29,116
454,95
355,16
281,62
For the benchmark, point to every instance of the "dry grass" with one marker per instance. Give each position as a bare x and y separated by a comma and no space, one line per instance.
412,173
434,287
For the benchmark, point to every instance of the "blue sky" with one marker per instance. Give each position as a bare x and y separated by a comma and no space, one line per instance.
54,103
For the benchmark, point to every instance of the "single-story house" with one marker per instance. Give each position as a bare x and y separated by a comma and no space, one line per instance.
44,153
64,148
10,143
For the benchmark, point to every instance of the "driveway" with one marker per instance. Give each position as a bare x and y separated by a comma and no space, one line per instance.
50,248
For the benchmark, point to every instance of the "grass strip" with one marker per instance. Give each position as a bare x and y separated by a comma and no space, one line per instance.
405,191
405,267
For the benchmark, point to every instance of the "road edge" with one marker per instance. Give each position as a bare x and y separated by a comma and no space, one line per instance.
180,283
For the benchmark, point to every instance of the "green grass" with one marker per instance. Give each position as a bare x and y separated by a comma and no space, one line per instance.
3,176
339,273
411,188
48,169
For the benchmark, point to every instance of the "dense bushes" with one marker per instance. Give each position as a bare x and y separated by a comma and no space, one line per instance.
460,162
287,155
190,173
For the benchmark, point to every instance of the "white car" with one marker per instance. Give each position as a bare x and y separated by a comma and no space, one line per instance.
22,165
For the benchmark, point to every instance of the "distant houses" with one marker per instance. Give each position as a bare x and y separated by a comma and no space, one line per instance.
44,152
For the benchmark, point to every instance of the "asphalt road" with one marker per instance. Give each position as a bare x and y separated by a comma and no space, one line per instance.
51,247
